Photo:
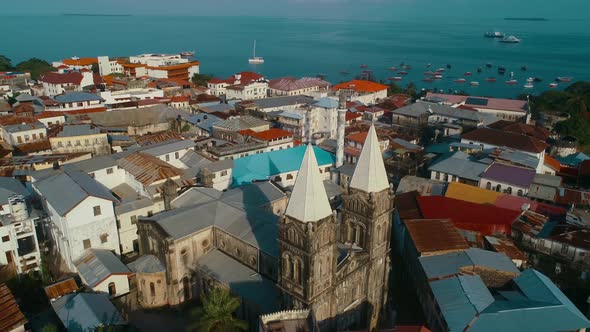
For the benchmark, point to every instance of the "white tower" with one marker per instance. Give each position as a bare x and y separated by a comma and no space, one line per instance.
340,134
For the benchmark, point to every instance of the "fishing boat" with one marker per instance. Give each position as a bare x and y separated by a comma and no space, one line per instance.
438,77
393,68
407,67
493,34
491,79
510,40
511,82
553,85
429,73
402,72
255,60
501,70
440,70
467,73
428,80
396,78
428,65
474,83
563,79
364,66
529,86
488,65
187,53
460,80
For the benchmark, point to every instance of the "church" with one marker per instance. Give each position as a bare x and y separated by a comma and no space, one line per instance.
302,256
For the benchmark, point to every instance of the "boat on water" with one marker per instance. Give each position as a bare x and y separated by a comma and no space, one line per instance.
563,79
511,82
501,70
396,78
407,67
428,65
187,53
510,40
491,79
488,65
364,66
440,70
460,80
429,73
474,83
529,86
467,73
402,72
553,85
392,68
438,77
255,60
428,80
493,34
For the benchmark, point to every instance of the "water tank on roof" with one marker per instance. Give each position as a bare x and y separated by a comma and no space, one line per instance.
18,207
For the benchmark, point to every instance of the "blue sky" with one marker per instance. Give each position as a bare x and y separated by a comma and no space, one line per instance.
379,9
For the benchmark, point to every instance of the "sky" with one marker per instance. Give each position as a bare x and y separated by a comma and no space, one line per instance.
378,9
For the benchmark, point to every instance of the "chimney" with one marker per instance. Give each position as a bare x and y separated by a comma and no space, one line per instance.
340,132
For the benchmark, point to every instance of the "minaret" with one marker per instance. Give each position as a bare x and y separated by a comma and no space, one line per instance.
340,134
307,244
367,207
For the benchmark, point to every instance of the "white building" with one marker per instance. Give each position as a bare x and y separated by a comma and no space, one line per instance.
107,66
252,90
19,245
218,87
76,101
161,66
81,217
288,86
103,272
112,98
366,92
127,215
56,83
25,133
506,109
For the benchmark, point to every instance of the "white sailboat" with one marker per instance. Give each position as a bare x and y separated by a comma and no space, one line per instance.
255,60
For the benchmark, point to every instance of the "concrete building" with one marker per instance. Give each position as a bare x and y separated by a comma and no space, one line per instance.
114,98
150,275
289,86
24,133
505,109
366,92
107,66
77,101
55,83
247,91
80,138
103,272
171,66
218,87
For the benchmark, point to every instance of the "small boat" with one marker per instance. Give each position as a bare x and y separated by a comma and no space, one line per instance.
530,80
440,70
511,74
407,67
438,77
428,65
488,65
553,85
491,79
529,86
460,80
493,34
255,60
474,83
479,69
511,82
392,68
364,66
402,72
467,73
429,73
501,70
344,72
523,68
510,40
396,78
563,79
429,80
448,66
187,53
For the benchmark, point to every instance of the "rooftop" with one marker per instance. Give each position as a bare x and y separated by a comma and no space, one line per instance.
78,130
146,264
292,84
86,311
95,265
512,175
148,169
240,123
277,102
76,97
435,236
361,86
57,78
459,164
11,317
480,102
504,138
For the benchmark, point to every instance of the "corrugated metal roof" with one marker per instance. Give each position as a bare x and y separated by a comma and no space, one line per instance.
518,176
23,127
146,264
240,123
281,101
459,164
11,317
471,194
168,147
86,311
97,264
148,169
9,187
76,97
78,130
445,265
435,236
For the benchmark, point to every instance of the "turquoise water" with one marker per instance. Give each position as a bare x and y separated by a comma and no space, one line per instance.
299,46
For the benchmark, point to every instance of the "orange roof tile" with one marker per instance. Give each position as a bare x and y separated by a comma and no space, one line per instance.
361,86
80,62
358,137
552,163
177,66
271,134
179,99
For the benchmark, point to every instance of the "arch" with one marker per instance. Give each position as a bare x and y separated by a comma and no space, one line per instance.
287,271
152,289
489,185
112,289
499,188
509,191
379,233
186,288
519,192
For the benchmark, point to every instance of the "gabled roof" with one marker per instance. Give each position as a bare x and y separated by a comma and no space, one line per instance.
86,311
435,236
74,78
95,265
10,187
146,264
369,174
521,128
292,84
308,201
80,61
11,317
504,138
148,169
361,86
76,97
518,176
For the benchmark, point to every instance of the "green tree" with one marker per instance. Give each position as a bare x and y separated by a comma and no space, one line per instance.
49,328
12,99
394,88
201,79
35,66
216,313
411,89
5,63
95,68
576,126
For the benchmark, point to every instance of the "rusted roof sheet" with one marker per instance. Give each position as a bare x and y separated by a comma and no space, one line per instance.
10,315
61,288
435,236
148,169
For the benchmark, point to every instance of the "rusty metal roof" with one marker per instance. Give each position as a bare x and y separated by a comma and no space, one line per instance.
435,236
148,169
61,288
11,317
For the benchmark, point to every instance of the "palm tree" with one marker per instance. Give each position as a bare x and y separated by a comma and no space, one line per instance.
216,313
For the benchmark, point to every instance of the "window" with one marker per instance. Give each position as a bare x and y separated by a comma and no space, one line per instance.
498,188
110,170
118,223
564,249
19,139
327,169
489,186
167,157
104,238
112,289
176,155
289,176
519,193
5,238
150,213
509,191
27,138
133,220
86,243
152,289
437,176
34,136
91,175
96,210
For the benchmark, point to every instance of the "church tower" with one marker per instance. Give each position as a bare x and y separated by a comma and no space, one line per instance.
307,244
366,221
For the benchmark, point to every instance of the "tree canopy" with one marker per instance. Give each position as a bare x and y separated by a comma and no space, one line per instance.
201,79
216,313
35,66
5,63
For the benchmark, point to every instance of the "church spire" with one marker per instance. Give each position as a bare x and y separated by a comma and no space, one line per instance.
369,174
309,201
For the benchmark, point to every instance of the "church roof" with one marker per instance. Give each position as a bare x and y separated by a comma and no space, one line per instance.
369,174
308,201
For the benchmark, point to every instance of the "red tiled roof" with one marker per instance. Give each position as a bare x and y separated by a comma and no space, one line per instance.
48,114
521,128
80,62
216,80
484,218
505,138
352,115
361,86
552,163
57,78
272,133
358,137
467,108
352,151
33,147
179,99
9,120
62,67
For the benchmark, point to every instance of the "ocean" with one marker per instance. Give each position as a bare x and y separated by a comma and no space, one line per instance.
308,47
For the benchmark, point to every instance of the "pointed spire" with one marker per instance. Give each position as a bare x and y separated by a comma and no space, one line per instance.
309,201
369,174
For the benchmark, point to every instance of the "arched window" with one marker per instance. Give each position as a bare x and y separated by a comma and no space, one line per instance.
112,289
498,188
152,289
509,191
296,271
360,235
379,233
489,186
519,193
287,271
